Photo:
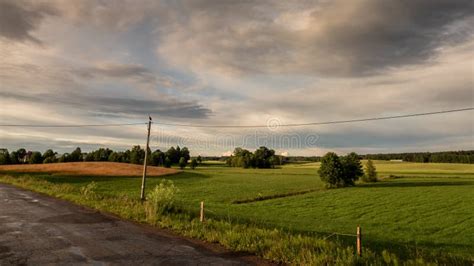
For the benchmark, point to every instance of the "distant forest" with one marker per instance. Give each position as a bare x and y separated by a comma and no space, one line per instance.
174,155
426,157
419,157
136,155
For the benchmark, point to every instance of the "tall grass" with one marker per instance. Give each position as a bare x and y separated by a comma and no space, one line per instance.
160,200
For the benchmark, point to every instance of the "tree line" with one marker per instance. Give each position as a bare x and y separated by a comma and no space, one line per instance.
261,158
427,157
136,155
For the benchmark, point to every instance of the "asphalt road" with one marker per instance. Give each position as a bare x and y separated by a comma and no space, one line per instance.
38,230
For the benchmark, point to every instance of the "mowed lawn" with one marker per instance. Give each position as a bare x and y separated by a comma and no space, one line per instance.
425,206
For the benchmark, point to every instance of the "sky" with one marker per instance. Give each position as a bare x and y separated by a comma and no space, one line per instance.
237,63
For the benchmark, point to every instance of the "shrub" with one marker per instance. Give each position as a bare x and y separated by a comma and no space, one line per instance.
193,164
89,190
370,172
160,200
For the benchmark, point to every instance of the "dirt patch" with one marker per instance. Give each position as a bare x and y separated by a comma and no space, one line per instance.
88,168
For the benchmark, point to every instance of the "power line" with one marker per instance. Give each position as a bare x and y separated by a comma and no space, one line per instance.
319,123
83,125
247,126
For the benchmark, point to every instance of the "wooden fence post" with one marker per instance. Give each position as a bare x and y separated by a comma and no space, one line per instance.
201,218
359,241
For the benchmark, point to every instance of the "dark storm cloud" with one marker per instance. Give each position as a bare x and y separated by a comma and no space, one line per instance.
379,34
103,105
169,108
337,38
19,18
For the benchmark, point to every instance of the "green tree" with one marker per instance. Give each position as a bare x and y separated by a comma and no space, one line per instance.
49,153
370,172
35,158
14,157
157,158
21,153
331,170
193,164
185,153
274,160
64,158
76,155
182,162
137,155
173,154
4,156
262,157
352,168
199,159
48,160
167,162
115,157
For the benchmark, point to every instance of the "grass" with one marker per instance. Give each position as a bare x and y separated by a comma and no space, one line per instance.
427,213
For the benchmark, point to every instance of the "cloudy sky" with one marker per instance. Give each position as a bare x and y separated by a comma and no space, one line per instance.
240,63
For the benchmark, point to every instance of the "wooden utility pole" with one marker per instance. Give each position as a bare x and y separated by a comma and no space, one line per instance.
359,241
142,194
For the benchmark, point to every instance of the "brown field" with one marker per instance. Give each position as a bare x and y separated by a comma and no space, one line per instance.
88,168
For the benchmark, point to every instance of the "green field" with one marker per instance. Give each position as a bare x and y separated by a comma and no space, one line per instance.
421,207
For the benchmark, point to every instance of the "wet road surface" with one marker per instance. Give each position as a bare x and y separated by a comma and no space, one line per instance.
38,230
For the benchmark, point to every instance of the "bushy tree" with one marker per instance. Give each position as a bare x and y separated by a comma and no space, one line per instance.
48,160
137,155
35,158
14,158
185,153
331,170
370,172
167,162
182,162
4,156
157,158
64,158
49,156
173,155
352,168
21,153
262,157
199,159
76,155
115,157
193,164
